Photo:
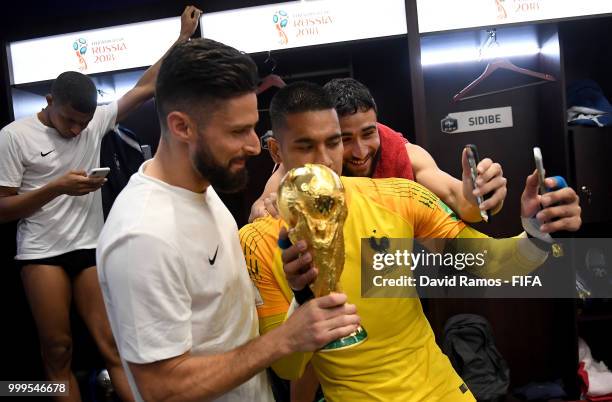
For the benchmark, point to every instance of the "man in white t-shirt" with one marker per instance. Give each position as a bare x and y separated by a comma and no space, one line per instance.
175,284
44,165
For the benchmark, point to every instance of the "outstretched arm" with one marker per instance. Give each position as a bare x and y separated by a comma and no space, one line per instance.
557,210
145,87
459,194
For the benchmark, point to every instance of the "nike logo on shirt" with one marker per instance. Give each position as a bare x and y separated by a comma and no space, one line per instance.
43,155
211,261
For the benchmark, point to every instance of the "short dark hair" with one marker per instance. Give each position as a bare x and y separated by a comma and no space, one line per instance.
202,71
350,96
76,90
297,97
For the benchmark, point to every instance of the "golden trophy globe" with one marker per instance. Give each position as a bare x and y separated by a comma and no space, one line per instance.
311,201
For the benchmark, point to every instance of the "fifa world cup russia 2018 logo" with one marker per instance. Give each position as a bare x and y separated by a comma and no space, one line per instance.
280,20
80,48
501,10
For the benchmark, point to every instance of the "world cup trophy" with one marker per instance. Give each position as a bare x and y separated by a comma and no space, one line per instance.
311,201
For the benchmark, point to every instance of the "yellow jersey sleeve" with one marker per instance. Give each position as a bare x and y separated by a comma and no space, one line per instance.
417,206
430,219
506,257
262,255
259,245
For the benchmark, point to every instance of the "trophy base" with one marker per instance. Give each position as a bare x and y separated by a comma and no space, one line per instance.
354,339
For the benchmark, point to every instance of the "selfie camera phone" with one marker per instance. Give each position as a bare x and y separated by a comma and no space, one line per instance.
473,159
537,157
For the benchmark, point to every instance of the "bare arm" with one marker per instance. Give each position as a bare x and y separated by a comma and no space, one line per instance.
445,186
191,378
455,193
15,206
145,87
266,202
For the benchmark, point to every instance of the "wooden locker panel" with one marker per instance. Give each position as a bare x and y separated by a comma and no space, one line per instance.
592,160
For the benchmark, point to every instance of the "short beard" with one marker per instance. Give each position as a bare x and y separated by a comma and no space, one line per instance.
375,158
217,175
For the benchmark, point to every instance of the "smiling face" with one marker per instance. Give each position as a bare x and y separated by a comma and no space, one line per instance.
225,139
361,142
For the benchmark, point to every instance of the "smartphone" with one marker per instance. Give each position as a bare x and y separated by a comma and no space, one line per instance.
473,160
557,249
537,156
99,172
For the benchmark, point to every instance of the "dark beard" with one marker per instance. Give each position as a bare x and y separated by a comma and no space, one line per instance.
219,176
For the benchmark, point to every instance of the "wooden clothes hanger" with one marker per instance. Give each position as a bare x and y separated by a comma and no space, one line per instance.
269,81
496,64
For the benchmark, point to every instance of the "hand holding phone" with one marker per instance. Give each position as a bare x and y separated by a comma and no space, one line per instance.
537,156
473,160
98,173
80,182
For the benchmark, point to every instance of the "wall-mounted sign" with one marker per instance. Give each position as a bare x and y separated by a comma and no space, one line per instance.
444,15
304,23
99,50
476,120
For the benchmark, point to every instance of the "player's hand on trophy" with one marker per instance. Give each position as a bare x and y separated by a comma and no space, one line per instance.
297,262
320,321
312,202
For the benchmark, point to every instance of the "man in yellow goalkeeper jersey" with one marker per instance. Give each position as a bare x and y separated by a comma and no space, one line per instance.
400,360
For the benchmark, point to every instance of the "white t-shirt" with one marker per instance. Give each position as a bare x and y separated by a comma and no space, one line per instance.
174,278
31,156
